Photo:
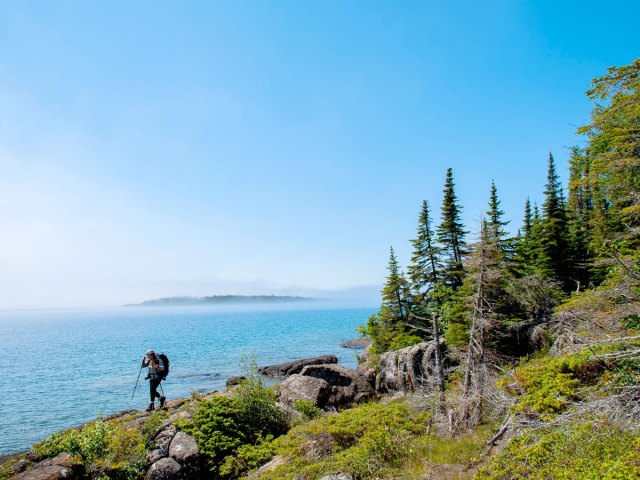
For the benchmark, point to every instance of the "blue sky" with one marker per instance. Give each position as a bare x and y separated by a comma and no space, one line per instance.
163,148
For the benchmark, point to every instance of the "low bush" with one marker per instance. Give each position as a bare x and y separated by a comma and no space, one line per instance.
587,451
101,446
307,408
364,441
234,434
547,386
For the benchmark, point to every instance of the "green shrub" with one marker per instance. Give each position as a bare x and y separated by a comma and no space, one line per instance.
547,386
101,446
307,408
363,441
257,403
587,451
218,428
248,457
234,434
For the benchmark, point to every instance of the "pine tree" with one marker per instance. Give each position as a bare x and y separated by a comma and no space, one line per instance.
451,235
390,328
424,274
394,292
553,254
523,262
614,153
495,224
426,265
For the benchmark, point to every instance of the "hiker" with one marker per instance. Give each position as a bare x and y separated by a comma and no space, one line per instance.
155,376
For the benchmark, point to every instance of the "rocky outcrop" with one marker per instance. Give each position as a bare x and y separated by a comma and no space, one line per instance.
56,468
233,381
357,343
164,469
296,366
327,386
406,369
161,441
184,449
299,387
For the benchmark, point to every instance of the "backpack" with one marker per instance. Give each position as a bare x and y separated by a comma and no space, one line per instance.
165,360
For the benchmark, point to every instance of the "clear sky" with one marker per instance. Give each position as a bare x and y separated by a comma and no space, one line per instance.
158,148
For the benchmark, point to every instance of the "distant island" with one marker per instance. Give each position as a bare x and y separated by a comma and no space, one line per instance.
222,300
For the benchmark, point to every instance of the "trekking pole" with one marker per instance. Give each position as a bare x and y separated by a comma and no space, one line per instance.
162,389
134,388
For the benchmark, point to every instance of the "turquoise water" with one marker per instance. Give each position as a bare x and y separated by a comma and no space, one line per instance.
61,368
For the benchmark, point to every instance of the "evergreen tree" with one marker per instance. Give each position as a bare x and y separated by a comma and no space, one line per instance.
495,224
553,255
523,262
426,265
451,235
424,274
390,328
394,292
614,157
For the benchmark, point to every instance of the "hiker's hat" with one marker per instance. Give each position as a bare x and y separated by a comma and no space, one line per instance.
150,352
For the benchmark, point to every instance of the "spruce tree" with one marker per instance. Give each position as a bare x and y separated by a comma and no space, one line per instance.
523,261
495,224
614,152
451,235
424,274
390,328
426,265
553,255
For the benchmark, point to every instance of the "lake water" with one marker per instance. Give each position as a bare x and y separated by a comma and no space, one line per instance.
60,368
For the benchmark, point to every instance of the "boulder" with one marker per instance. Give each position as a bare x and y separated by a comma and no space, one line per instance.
161,443
290,368
338,476
406,369
63,459
233,381
347,386
357,343
61,466
274,463
184,449
299,387
164,469
50,472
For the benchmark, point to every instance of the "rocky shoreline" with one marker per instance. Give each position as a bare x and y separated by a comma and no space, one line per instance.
173,454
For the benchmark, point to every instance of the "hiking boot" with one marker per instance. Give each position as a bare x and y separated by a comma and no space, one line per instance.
151,407
162,400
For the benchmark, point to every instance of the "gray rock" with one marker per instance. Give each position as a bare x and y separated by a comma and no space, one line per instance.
347,386
357,343
290,368
164,469
50,472
274,463
338,476
298,387
184,449
63,459
161,443
232,381
406,369
58,467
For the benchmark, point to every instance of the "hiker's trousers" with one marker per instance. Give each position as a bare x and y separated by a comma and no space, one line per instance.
154,383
